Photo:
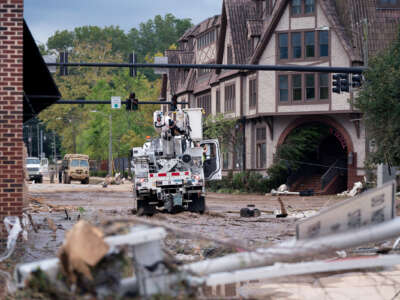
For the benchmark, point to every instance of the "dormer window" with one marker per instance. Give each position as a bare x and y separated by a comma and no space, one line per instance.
300,8
388,4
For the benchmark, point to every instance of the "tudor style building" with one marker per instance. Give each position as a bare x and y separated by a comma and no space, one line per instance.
269,104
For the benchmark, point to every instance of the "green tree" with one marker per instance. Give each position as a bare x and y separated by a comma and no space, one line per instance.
85,131
61,40
379,101
223,129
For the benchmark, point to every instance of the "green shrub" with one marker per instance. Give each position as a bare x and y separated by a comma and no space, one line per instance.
241,182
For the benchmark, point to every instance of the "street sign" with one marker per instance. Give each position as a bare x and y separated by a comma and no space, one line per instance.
116,102
160,60
372,207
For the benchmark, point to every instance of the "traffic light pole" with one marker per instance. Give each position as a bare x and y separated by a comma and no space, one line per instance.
243,67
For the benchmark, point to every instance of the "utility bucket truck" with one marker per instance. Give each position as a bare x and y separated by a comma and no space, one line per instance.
170,171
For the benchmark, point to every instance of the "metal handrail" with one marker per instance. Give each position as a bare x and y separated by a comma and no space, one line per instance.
333,170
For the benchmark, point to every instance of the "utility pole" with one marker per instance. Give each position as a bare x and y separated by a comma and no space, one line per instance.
41,143
54,148
110,148
38,140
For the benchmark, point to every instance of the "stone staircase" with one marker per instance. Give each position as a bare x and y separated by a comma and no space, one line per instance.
312,182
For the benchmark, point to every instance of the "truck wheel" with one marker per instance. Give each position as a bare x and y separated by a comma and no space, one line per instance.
198,204
144,209
69,180
85,181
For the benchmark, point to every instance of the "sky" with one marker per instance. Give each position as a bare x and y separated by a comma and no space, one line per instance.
44,17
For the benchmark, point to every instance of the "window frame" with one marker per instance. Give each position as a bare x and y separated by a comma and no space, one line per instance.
253,92
259,141
317,92
302,13
317,52
206,39
204,101
230,98
380,5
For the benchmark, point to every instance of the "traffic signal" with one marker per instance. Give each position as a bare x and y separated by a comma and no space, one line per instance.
344,83
336,83
135,104
174,104
356,80
132,103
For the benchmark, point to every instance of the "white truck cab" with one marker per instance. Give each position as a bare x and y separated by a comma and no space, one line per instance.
33,169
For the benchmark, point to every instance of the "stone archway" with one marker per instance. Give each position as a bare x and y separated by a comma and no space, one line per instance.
337,131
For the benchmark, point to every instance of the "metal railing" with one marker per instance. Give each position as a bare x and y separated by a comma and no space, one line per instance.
334,170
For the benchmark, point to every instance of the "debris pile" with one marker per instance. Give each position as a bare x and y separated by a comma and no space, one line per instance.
117,179
41,205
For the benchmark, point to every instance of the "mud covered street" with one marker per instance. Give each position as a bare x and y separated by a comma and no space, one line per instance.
221,221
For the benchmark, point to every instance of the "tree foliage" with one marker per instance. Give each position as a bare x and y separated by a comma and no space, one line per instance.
379,101
297,150
85,129
223,129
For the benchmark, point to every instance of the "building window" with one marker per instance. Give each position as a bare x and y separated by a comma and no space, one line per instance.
261,148
302,7
303,88
297,88
204,102
230,98
307,40
388,4
206,39
283,88
309,7
310,44
310,87
218,101
323,86
252,93
229,55
296,7
283,46
323,43
296,45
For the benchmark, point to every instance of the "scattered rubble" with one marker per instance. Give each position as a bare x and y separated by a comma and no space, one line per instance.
117,179
250,211
357,189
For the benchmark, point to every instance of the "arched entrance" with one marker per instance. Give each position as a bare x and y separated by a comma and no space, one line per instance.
326,169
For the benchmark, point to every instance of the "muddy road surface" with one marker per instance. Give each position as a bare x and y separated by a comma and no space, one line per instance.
221,220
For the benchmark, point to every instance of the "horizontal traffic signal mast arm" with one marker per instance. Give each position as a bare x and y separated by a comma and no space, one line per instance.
109,102
353,70
64,101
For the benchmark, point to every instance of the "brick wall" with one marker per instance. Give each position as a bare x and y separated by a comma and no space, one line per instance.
11,109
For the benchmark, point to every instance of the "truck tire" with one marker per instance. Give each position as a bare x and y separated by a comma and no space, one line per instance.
144,209
85,181
68,179
198,204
